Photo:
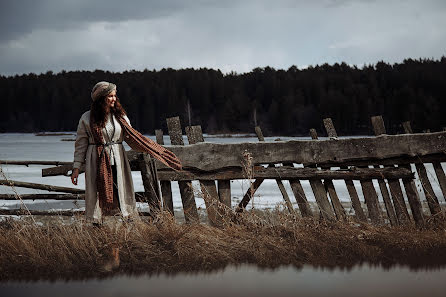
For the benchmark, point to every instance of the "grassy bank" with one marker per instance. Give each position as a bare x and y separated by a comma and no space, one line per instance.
79,250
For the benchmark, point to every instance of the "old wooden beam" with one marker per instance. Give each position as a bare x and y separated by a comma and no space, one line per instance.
186,190
441,177
159,136
213,156
359,212
26,163
53,196
398,201
414,200
150,182
258,182
320,194
224,192
285,172
208,188
409,185
380,129
432,199
22,212
165,185
328,183
50,188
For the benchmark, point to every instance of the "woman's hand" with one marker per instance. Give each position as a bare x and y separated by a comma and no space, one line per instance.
74,176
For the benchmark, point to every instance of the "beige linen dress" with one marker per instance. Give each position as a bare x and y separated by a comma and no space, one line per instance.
85,154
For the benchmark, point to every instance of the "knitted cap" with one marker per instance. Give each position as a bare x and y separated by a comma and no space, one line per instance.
101,89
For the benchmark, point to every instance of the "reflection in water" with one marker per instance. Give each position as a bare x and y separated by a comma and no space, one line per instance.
250,280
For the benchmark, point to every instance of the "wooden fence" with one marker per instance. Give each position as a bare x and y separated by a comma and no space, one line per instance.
384,158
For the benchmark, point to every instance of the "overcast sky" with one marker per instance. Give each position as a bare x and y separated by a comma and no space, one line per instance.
235,35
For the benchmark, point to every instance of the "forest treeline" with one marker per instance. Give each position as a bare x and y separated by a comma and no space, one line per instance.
282,102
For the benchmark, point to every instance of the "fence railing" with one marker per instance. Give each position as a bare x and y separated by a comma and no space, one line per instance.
384,158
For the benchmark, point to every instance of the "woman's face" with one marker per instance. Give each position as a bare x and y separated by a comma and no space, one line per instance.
111,99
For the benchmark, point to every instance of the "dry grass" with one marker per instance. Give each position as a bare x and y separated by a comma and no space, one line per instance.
267,239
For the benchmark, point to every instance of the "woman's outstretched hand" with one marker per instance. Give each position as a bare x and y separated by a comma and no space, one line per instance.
74,176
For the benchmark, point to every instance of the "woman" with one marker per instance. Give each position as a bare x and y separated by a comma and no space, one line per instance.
98,147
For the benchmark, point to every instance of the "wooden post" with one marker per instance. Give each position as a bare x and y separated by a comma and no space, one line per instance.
166,188
409,185
186,190
253,188
278,181
329,127
380,129
378,125
224,192
337,206
259,133
159,136
150,182
432,199
356,204
398,201
414,199
208,188
320,193
441,177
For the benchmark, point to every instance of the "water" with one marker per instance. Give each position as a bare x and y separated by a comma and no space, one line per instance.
249,280
26,146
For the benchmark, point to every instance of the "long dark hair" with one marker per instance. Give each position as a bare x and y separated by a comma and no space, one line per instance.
100,110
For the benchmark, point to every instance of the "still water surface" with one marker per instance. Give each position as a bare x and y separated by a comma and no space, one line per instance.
249,280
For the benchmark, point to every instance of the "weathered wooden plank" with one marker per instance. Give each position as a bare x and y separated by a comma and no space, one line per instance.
259,133
208,188
166,187
159,136
249,194
328,183
322,199
212,156
371,200
319,190
50,188
175,131
58,170
21,212
356,204
150,182
414,200
34,162
45,196
224,192
186,190
329,127
432,200
52,196
378,125
441,177
301,199
194,134
380,129
279,182
398,201
285,172
337,206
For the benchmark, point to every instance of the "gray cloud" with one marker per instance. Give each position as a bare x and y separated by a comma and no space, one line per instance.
230,35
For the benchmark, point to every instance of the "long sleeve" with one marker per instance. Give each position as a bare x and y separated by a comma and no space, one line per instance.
81,145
